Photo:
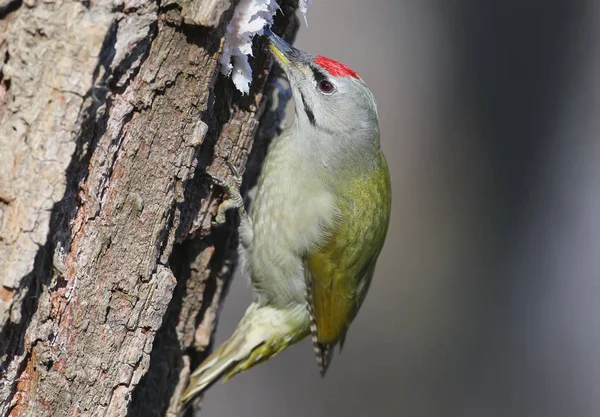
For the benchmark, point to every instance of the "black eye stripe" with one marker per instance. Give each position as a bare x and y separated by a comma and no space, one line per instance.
319,76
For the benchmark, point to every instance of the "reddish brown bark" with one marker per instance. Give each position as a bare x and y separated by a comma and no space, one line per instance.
110,114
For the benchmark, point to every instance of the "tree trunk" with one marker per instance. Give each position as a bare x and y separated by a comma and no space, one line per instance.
111,270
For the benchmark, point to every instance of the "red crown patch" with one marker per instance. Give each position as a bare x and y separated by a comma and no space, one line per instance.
337,69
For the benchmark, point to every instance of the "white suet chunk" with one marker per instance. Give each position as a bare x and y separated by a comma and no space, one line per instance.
249,18
303,6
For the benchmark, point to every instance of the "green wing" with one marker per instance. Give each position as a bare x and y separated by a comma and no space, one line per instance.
340,272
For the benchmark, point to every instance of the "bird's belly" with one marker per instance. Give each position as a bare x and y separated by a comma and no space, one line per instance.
290,216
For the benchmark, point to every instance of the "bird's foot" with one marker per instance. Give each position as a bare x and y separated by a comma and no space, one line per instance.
235,200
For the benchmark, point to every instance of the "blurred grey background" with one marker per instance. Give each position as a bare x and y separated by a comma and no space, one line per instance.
485,299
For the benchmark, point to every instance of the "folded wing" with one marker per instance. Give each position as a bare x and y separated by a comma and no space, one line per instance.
340,272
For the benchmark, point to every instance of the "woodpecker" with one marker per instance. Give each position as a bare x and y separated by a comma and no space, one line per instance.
317,224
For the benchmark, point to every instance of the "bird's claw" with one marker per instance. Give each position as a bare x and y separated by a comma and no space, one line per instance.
235,200
237,178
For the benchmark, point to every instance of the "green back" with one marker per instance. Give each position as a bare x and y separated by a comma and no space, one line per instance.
342,269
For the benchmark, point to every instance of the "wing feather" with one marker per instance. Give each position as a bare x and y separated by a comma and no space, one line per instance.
339,272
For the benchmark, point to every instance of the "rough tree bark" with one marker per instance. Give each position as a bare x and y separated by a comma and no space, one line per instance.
110,269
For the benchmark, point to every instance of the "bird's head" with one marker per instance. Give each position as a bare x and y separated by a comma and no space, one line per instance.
330,98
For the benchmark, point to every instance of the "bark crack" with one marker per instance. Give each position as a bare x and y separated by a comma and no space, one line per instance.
128,272
9,6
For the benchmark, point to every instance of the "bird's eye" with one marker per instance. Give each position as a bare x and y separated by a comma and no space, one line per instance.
325,86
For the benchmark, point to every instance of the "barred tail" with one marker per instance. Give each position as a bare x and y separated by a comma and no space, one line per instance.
323,352
262,333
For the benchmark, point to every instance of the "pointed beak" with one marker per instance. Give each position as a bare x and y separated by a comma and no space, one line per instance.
285,54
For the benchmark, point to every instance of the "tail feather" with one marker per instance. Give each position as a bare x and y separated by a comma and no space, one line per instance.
262,333
323,351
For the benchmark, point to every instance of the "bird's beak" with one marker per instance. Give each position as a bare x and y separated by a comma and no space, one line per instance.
285,54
